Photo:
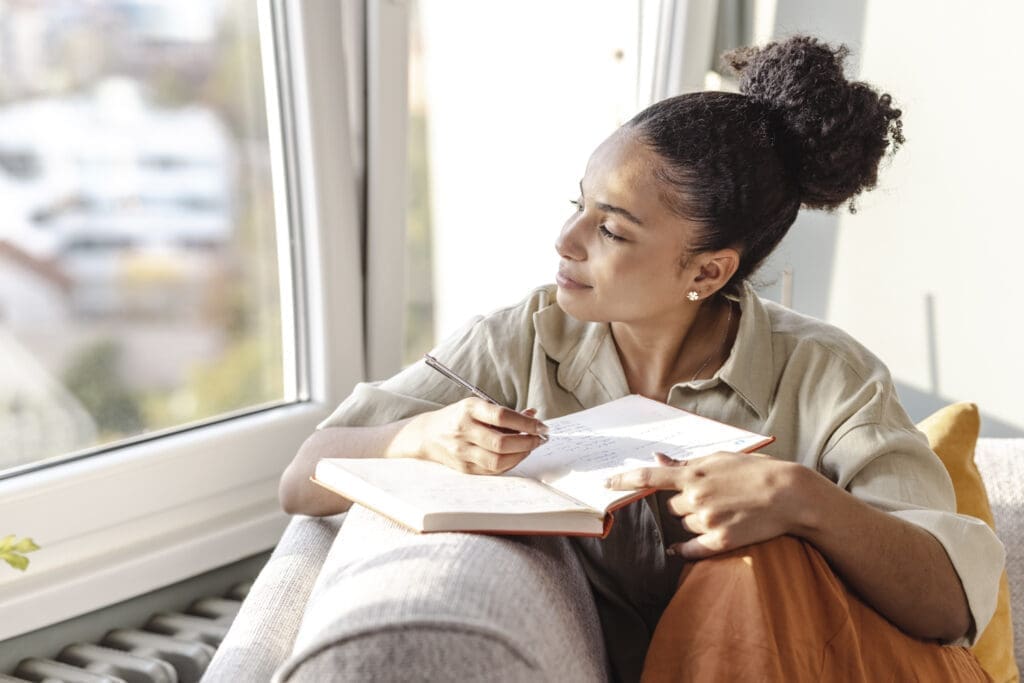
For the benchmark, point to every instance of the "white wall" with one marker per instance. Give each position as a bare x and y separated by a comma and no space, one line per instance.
519,95
926,274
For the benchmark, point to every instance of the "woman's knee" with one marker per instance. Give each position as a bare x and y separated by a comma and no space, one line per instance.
784,558
781,583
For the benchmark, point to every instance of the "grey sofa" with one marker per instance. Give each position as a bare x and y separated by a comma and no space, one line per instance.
369,601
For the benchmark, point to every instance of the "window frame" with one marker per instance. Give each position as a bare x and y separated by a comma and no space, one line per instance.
140,516
387,172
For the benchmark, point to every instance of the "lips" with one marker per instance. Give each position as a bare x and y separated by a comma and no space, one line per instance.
567,281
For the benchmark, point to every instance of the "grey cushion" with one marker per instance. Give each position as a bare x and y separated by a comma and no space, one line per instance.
262,634
1001,463
393,605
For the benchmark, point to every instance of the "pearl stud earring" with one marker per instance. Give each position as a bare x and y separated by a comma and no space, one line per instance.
692,295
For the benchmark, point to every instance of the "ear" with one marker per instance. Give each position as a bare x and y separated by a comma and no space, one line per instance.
716,268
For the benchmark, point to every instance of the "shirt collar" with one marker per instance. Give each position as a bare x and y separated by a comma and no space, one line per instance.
749,370
588,362
571,343
579,346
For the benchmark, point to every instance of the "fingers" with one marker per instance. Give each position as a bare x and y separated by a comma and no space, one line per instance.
506,418
506,443
476,460
693,524
697,548
500,442
666,461
478,437
668,475
645,478
687,501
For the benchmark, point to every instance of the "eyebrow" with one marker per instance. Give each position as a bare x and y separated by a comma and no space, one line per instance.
618,210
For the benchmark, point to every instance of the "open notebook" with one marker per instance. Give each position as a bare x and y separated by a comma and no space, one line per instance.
557,489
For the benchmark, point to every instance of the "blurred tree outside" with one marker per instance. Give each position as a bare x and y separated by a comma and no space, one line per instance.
94,378
419,257
419,324
250,370
242,298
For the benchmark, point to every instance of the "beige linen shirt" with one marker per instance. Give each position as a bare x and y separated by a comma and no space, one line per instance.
829,403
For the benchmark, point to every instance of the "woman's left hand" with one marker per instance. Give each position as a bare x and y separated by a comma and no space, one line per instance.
726,500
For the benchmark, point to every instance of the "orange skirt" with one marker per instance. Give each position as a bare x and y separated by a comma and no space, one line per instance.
775,611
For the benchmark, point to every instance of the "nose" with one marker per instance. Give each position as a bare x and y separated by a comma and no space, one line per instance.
569,244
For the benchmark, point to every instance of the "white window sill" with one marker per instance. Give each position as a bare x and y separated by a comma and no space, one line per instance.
123,523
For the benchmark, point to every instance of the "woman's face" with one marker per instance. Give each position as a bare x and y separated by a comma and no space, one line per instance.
621,250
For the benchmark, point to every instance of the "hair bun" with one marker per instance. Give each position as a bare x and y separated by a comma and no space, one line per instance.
834,132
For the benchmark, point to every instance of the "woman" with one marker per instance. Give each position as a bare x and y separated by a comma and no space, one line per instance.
838,542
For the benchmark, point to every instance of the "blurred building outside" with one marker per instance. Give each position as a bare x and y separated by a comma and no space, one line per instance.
126,171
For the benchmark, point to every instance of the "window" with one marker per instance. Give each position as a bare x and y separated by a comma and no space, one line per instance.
199,489
139,279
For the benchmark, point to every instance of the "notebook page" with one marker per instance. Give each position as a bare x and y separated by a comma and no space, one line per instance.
585,448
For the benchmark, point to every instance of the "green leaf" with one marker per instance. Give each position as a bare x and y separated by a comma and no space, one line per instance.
19,562
11,551
25,545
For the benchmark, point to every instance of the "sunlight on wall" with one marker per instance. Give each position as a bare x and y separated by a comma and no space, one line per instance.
514,111
927,273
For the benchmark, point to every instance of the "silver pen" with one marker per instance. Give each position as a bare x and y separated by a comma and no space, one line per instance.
471,388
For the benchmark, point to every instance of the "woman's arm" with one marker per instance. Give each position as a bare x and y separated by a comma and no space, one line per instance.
298,495
471,436
896,567
729,500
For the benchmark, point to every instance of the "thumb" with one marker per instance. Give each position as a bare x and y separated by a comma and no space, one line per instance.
666,461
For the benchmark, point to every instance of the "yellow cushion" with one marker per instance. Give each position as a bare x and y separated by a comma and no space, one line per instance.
952,433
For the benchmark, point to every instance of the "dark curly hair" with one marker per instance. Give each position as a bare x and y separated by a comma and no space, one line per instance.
798,134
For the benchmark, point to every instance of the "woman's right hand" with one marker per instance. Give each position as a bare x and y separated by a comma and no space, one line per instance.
478,437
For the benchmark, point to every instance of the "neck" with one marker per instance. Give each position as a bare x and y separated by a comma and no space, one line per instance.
655,356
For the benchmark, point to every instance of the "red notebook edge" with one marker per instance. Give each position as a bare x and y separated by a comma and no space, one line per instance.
609,518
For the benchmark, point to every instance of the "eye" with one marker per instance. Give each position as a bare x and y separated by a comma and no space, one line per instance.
608,234
602,229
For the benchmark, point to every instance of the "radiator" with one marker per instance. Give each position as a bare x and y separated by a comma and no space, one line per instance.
170,648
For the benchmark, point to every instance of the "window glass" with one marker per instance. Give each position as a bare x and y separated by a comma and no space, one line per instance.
502,121
138,266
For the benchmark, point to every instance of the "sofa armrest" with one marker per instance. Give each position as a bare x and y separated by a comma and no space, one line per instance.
262,634
393,605
1001,463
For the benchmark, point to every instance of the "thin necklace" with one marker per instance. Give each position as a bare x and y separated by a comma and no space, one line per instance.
711,355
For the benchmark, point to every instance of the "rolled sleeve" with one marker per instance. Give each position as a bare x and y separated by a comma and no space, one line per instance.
493,352
893,469
376,403
416,389
977,556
